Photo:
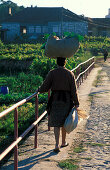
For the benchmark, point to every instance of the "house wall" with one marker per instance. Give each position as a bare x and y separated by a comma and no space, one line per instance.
76,27
34,30
108,33
94,31
98,30
58,28
13,30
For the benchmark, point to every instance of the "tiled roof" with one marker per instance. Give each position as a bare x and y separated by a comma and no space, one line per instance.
43,15
103,21
99,22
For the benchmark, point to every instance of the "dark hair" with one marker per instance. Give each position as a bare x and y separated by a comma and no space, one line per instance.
61,61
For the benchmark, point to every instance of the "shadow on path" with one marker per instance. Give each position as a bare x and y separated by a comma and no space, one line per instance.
28,163
99,92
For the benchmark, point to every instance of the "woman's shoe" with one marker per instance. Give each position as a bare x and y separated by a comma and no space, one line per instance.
56,150
66,144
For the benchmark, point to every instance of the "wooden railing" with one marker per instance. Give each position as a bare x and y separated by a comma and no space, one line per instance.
81,72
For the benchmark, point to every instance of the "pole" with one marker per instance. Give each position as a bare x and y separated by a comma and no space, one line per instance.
48,115
36,117
15,138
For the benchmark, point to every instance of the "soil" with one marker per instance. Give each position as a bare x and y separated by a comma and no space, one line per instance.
89,143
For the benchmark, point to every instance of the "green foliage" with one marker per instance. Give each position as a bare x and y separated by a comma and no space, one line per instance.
1,44
96,144
71,34
69,164
46,36
16,97
42,65
26,116
43,98
32,51
28,82
12,98
24,83
96,44
8,98
79,149
20,51
71,63
20,87
4,5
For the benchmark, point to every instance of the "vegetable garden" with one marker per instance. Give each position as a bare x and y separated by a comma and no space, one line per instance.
23,67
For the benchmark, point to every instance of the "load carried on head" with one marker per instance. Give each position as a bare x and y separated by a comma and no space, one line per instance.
65,47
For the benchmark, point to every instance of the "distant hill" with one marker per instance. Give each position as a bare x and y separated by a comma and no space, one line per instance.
8,8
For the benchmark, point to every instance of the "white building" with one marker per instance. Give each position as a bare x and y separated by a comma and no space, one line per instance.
108,16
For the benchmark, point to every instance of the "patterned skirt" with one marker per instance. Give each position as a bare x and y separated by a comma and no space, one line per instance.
59,110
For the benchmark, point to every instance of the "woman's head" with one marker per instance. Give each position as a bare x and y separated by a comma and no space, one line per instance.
61,61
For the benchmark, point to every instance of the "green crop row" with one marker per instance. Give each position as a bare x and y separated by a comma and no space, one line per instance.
21,51
26,116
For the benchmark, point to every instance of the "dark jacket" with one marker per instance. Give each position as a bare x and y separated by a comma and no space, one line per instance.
61,79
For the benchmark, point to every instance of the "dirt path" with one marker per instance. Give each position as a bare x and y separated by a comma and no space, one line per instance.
93,130
96,143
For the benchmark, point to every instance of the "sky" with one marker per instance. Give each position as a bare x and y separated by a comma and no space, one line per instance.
88,8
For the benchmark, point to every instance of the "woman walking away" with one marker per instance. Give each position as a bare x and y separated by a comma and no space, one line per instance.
64,96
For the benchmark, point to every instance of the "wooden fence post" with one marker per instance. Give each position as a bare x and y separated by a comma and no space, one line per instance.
36,117
48,115
15,138
82,71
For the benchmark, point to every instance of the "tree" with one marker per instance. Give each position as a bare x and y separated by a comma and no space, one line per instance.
4,7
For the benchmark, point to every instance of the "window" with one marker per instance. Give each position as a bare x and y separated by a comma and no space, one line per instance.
45,29
55,29
23,29
38,29
31,29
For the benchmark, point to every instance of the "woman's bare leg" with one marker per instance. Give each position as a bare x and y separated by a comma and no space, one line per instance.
63,136
57,135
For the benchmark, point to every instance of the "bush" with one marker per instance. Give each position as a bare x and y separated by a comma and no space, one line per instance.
12,98
1,44
42,65
16,97
24,83
26,116
94,51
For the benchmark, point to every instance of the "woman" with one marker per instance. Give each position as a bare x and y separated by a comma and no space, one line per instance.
61,81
